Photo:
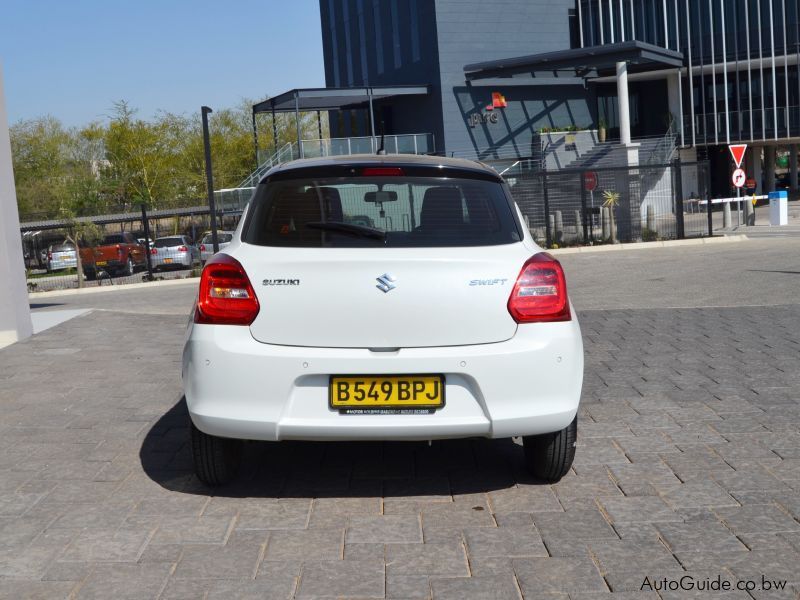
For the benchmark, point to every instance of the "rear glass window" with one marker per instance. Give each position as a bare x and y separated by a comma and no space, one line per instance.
169,242
114,239
62,248
222,238
380,211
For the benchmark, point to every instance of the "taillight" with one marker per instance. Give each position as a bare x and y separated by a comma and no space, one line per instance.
382,172
153,250
226,296
202,247
182,249
119,249
49,256
540,293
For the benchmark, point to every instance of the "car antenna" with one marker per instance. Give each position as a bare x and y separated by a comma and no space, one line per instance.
382,150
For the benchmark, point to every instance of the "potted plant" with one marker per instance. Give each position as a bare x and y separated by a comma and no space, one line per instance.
611,201
601,130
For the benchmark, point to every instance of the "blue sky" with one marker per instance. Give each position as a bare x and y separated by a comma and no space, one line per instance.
73,58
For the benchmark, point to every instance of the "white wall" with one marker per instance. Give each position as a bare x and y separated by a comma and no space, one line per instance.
15,315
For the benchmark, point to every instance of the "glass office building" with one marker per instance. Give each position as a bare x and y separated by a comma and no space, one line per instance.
707,72
740,78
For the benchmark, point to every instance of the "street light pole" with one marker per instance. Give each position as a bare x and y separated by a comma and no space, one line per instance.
204,111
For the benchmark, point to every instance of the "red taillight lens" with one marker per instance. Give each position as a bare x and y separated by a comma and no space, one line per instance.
202,247
153,250
49,256
119,249
382,172
540,293
226,296
183,249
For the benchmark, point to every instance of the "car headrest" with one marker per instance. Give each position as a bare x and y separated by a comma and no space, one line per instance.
441,208
332,202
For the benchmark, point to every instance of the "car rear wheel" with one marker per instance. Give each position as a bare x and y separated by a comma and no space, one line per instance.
129,268
216,459
549,456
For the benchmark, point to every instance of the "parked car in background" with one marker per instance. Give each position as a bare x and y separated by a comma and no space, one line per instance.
172,252
782,182
61,256
144,242
207,245
117,254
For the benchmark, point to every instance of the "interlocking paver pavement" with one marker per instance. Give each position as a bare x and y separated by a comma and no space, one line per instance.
688,463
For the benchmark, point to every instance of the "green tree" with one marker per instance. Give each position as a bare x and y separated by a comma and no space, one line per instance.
40,156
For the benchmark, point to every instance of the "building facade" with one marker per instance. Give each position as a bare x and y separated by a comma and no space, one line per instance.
500,74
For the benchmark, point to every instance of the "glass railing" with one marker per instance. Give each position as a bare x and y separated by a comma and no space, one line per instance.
411,143
232,201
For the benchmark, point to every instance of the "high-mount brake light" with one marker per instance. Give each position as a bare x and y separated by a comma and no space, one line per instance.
226,296
382,172
540,293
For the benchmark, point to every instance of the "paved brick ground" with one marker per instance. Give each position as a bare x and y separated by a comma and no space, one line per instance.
688,464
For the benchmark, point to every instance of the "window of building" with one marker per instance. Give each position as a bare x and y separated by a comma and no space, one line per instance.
334,41
376,17
348,48
362,43
396,48
415,54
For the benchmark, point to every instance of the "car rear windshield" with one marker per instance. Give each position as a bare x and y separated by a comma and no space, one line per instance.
222,238
114,239
168,242
381,211
62,248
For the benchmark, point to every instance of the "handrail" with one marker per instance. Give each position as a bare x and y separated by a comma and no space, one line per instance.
665,148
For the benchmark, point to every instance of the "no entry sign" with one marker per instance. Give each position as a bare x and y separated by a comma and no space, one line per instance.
590,181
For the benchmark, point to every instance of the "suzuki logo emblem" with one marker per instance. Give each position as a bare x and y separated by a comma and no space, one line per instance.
386,282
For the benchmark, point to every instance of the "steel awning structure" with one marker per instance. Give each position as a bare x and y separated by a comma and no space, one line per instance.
314,99
582,60
324,99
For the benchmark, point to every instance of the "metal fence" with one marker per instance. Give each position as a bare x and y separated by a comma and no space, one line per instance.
562,208
121,252
614,204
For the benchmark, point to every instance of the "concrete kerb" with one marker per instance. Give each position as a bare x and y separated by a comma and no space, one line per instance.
651,245
114,288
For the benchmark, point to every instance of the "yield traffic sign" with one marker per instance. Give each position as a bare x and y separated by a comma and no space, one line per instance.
737,152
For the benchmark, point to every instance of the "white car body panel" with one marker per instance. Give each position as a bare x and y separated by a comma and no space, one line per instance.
527,385
442,296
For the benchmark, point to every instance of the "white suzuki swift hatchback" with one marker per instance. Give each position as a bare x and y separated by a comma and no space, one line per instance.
382,298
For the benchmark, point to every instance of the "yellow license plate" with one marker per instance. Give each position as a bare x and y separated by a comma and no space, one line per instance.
101,263
168,260
386,393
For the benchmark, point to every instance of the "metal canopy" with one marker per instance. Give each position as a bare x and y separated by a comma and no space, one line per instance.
581,59
313,99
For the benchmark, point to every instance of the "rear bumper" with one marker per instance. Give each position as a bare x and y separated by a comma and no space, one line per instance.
238,387
58,264
183,259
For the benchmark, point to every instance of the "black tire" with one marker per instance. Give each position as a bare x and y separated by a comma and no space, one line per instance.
90,274
216,459
549,456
